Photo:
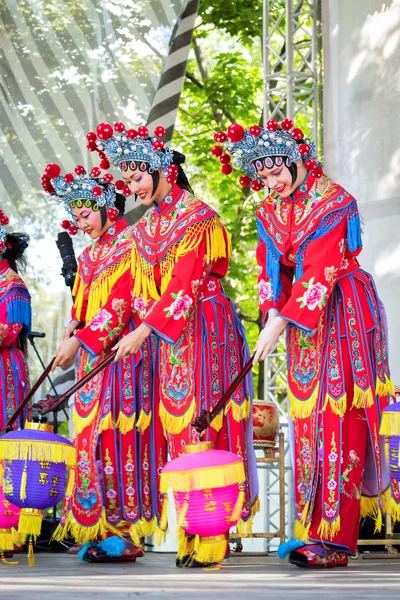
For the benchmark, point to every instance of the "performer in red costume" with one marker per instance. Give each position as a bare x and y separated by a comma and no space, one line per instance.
15,325
103,501
180,255
310,282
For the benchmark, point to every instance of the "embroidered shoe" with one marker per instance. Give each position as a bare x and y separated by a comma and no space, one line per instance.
313,556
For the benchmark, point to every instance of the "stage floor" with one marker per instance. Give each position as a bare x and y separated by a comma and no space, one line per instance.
155,576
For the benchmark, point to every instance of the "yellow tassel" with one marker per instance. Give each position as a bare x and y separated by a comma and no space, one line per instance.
329,530
31,556
390,424
1,473
362,398
384,388
71,483
18,540
245,527
100,288
135,531
176,424
13,449
200,479
183,512
239,412
211,549
30,522
82,534
237,509
125,424
300,532
218,421
78,293
106,423
186,543
143,421
7,562
163,524
81,422
338,407
148,528
378,522
22,489
160,536
301,409
6,540
390,505
305,513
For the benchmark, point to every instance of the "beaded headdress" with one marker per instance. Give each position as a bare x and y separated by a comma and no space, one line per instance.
4,220
122,147
78,189
256,147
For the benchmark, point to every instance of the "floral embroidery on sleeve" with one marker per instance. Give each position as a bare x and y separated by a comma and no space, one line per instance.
314,296
180,306
265,290
330,274
140,306
103,321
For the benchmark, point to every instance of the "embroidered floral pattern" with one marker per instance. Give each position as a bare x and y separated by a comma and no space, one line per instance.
101,320
330,274
112,332
265,290
314,296
180,306
140,306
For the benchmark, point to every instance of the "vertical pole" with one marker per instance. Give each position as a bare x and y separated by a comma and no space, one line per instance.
314,64
281,487
289,59
265,59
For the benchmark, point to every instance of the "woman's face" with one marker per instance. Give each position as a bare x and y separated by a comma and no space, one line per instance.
89,221
141,184
277,178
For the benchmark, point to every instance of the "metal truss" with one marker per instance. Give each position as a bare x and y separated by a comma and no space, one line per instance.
293,88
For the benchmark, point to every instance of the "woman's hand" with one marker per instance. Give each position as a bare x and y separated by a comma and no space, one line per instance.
269,337
69,330
66,353
131,343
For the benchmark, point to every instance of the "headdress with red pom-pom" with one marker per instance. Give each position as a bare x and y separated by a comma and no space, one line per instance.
256,147
78,190
123,146
4,220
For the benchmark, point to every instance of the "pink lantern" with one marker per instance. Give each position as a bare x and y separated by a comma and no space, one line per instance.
209,494
9,517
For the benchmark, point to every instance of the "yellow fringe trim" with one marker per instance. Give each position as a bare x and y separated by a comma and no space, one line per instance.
338,407
18,539
160,536
369,507
241,412
185,543
125,424
148,528
362,399
176,424
305,513
390,424
6,540
31,556
392,507
200,479
29,525
1,473
15,449
301,409
82,534
210,549
78,294
384,389
144,421
107,423
71,483
22,487
81,422
163,524
329,530
300,532
245,527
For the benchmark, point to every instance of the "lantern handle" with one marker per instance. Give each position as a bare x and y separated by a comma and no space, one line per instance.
51,403
203,421
30,394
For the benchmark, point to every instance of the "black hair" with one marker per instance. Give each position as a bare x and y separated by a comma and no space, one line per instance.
16,244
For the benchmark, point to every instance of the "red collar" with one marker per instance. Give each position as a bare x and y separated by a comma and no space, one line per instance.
114,230
301,192
169,201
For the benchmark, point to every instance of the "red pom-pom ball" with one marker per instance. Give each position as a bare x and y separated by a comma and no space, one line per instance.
304,149
244,180
91,136
287,124
255,130
256,185
79,170
173,168
131,134
227,169
113,214
158,145
4,220
225,159
171,178
91,146
97,191
216,151
96,172
272,125
105,164
235,132
119,127
73,230
104,131
317,172
108,178
310,164
297,134
52,170
143,132
119,184
159,131
66,224
125,190
101,155
69,178
220,137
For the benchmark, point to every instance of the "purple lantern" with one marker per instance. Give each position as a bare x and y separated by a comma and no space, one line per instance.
390,427
35,461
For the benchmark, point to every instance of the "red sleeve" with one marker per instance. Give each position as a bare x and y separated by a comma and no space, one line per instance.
15,315
322,261
103,330
9,332
264,283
